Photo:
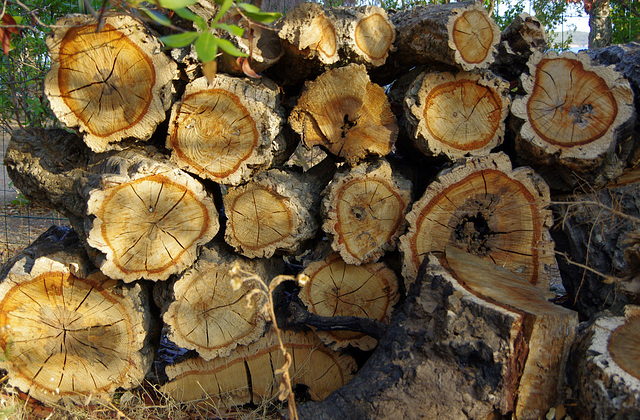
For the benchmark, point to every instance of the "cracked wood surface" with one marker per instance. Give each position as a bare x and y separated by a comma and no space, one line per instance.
68,331
111,84
488,209
249,374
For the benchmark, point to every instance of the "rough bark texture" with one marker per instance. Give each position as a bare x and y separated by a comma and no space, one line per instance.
432,363
462,35
336,288
606,382
364,211
592,229
207,315
227,130
123,93
249,374
69,332
578,120
518,41
471,206
345,113
600,30
457,114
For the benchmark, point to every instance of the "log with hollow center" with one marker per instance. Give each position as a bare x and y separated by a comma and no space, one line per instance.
487,209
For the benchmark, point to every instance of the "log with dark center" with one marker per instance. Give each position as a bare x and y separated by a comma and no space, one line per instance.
577,120
488,209
345,113
111,84
69,332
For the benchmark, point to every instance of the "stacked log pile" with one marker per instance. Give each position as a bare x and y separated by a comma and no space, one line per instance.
424,205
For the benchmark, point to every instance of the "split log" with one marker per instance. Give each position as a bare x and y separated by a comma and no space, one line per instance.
227,130
145,216
336,288
207,315
345,113
578,120
275,212
249,374
113,83
364,211
457,115
454,351
518,41
67,331
461,35
605,375
488,209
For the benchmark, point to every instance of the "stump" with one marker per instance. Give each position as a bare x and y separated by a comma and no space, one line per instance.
578,120
69,332
227,130
457,114
346,114
249,374
364,211
126,89
455,352
473,206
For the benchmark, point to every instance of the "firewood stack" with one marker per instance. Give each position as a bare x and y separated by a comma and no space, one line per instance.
432,196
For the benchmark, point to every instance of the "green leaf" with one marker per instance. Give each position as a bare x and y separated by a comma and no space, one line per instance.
223,9
18,19
253,13
179,40
230,49
176,4
207,47
157,17
232,29
188,14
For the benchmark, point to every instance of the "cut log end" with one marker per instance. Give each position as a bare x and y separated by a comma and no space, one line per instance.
458,115
150,227
365,210
345,113
71,336
473,208
107,100
474,35
339,289
374,35
623,346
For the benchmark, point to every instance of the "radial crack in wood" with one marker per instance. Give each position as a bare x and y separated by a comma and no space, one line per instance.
604,363
113,83
207,315
577,120
227,130
485,208
457,114
248,375
150,224
345,113
364,211
336,288
67,331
